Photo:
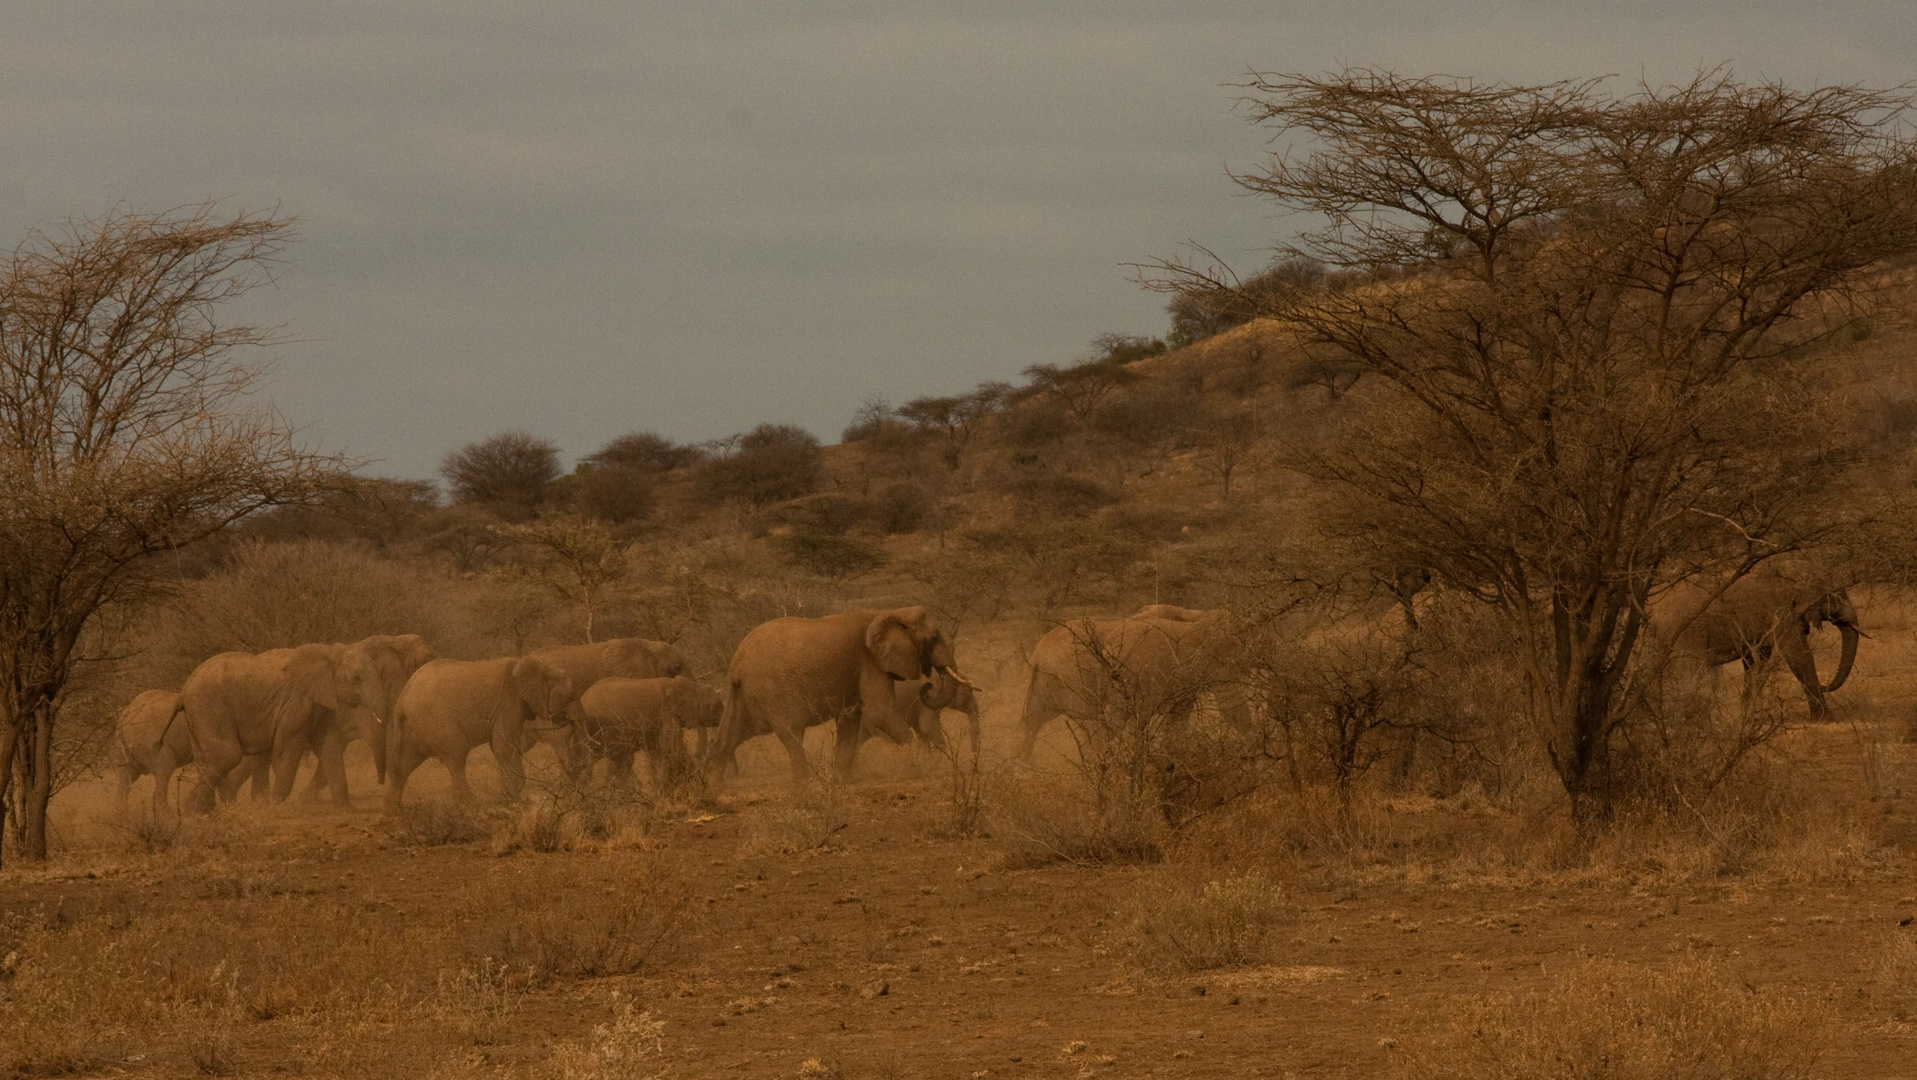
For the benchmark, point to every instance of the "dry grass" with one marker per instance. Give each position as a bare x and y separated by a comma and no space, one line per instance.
548,821
1606,1020
1173,927
607,920
1896,970
435,822
806,820
1046,818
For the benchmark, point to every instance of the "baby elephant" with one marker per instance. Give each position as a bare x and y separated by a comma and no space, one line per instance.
625,716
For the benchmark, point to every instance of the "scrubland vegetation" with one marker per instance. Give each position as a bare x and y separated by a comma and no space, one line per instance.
1457,805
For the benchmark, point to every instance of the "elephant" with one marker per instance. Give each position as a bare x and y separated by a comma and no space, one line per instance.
625,716
1162,658
925,722
789,674
449,707
1771,610
151,739
279,703
369,674
629,658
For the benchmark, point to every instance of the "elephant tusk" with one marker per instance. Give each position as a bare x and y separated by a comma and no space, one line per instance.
952,670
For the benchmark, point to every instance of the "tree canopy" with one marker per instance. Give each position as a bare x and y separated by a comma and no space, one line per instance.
1595,322
125,433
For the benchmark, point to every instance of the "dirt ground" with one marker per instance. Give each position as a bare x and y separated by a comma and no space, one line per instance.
886,952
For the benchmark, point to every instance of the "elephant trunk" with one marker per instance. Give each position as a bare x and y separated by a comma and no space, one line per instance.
1844,660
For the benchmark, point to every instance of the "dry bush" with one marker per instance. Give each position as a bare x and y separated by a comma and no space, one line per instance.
836,557
1339,693
1049,818
1896,970
807,820
271,596
1175,927
1606,1020
434,822
631,1046
611,921
566,820
78,993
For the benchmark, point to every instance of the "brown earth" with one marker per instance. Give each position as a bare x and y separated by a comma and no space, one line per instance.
886,952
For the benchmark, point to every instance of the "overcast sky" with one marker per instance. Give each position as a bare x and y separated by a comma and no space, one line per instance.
586,219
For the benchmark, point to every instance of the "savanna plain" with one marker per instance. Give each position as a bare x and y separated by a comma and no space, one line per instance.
1479,645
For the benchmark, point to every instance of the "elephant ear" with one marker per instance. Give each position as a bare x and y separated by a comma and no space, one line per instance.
666,659
413,651
682,701
896,640
312,671
538,683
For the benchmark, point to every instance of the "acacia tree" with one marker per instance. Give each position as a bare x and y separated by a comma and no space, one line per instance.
1595,321
511,470
125,434
576,560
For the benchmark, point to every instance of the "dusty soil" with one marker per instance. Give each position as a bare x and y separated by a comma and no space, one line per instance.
888,953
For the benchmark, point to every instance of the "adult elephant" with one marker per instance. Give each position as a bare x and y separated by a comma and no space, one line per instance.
789,674
618,658
150,739
449,707
368,675
279,704
625,717
1771,611
1161,659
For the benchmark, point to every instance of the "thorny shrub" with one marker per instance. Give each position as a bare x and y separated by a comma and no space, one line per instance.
1046,818
1174,927
433,822
611,926
1896,970
1607,1020
806,820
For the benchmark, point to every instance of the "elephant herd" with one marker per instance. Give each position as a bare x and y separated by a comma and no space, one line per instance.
258,715
243,716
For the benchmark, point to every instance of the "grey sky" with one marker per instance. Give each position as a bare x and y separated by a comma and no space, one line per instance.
585,219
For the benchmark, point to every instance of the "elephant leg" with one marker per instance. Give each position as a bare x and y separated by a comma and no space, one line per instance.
124,774
463,791
164,766
260,768
162,785
845,751
213,763
332,768
1033,722
511,761
794,743
397,770
286,768
931,728
1797,655
621,775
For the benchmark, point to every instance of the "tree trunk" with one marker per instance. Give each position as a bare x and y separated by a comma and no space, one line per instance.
39,788
9,746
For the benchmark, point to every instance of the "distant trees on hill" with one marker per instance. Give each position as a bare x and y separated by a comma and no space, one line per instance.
770,463
510,470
